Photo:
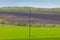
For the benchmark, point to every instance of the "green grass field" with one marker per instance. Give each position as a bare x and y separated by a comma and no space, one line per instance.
9,32
45,33
13,32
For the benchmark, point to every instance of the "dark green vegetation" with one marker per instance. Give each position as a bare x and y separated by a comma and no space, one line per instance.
27,8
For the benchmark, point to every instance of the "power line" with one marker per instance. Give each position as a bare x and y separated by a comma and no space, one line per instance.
30,24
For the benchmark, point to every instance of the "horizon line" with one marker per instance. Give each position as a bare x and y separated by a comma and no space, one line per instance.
29,6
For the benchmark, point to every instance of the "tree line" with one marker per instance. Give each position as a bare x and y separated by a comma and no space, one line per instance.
29,24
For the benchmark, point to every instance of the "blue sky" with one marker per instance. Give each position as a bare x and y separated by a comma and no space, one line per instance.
32,3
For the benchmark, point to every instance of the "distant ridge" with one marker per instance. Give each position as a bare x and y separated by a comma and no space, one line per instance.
29,8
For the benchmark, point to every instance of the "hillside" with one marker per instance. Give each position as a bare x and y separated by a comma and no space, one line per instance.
35,15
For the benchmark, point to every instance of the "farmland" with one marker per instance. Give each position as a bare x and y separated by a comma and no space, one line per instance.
9,32
15,23
45,33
